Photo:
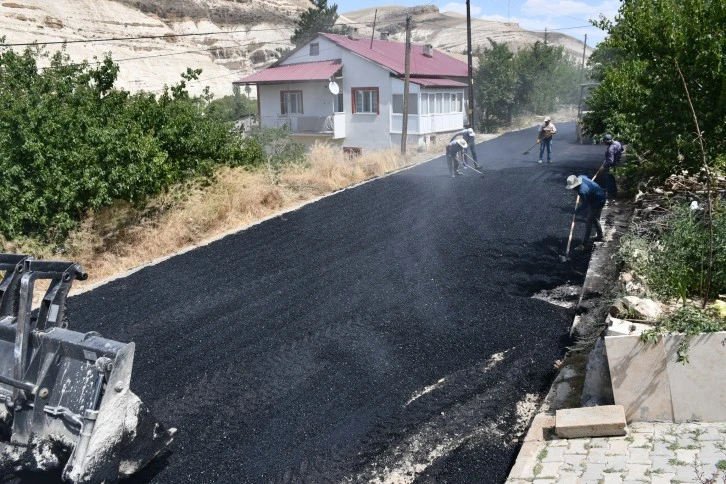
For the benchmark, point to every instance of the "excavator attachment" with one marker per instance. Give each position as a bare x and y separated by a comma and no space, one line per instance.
65,397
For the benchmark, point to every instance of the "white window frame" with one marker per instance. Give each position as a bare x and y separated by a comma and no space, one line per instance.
368,95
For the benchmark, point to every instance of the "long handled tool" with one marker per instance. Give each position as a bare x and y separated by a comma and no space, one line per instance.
566,257
468,165
538,142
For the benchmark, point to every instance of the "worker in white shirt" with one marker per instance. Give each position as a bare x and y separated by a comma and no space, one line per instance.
468,135
544,138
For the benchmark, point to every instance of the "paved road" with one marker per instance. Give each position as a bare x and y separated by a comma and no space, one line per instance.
385,331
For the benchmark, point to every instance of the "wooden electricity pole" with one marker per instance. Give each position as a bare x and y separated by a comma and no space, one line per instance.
582,73
406,86
470,117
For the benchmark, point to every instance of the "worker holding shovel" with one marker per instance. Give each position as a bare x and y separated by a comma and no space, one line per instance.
544,138
593,199
468,135
452,151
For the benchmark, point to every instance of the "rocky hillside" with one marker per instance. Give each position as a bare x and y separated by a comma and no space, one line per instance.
446,31
159,39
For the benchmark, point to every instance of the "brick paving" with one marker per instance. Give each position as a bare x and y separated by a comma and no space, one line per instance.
650,452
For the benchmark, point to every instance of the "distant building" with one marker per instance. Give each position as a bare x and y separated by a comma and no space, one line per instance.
349,91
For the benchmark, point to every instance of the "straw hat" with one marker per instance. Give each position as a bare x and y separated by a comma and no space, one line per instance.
573,182
462,143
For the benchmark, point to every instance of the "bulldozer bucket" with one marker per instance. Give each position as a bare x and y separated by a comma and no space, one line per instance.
65,397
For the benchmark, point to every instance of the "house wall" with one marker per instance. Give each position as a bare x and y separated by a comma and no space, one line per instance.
328,51
362,130
316,99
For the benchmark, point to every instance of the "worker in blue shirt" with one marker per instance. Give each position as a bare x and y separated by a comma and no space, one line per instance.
592,199
613,156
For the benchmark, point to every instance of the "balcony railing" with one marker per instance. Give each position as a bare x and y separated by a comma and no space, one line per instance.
332,125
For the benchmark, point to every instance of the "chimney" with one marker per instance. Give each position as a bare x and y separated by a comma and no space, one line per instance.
353,33
428,50
384,35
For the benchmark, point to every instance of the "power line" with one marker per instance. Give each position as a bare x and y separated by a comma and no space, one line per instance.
141,37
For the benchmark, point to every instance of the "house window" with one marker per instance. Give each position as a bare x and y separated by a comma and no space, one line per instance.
365,100
291,102
424,103
460,103
397,103
315,48
432,102
447,103
439,102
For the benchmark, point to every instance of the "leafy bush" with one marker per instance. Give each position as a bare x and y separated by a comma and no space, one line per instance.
70,142
689,321
278,144
672,255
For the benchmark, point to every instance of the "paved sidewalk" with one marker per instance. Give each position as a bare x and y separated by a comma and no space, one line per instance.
651,452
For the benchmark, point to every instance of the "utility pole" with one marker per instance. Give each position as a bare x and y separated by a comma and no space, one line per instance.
582,74
471,65
406,86
545,40
375,16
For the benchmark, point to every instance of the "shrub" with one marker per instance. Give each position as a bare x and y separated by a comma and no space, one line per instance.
689,321
672,255
70,142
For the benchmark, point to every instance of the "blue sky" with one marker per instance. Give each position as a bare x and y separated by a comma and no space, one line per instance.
566,16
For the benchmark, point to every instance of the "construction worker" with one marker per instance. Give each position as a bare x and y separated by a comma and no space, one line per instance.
592,198
544,137
613,156
468,135
452,150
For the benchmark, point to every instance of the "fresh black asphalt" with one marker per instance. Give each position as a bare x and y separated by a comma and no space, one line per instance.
293,351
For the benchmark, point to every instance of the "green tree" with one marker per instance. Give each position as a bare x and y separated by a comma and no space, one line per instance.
641,98
70,142
495,84
320,18
231,108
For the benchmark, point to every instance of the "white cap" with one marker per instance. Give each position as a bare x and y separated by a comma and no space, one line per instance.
470,131
547,118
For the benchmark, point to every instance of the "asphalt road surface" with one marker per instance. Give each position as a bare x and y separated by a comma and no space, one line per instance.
385,332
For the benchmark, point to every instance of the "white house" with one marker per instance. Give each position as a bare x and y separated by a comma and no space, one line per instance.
349,91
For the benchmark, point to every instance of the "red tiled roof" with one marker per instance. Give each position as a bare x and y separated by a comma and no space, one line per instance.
306,71
392,55
430,82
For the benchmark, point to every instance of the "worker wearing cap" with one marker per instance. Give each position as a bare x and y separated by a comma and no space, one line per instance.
452,150
544,137
613,156
468,135
592,198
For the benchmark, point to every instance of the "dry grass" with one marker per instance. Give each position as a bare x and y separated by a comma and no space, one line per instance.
120,237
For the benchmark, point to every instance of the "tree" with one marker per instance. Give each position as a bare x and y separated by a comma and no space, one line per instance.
320,18
70,142
642,98
495,84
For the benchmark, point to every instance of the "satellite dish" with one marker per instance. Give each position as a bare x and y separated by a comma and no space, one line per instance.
333,88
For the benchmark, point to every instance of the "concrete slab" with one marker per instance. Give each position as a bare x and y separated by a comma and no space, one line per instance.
607,420
652,385
639,378
695,392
